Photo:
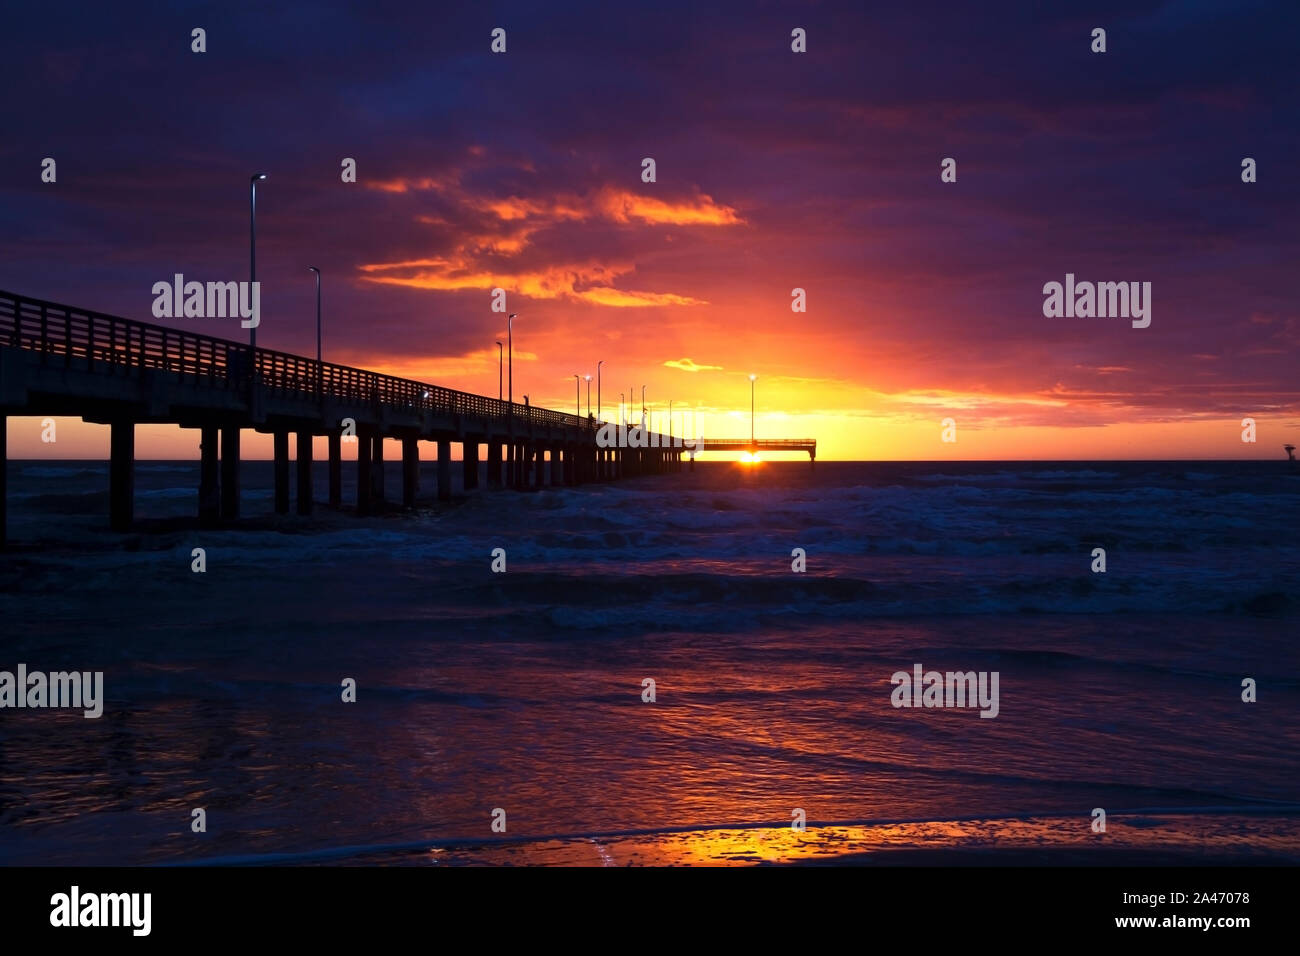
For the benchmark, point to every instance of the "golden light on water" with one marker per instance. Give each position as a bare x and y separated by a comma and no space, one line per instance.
747,458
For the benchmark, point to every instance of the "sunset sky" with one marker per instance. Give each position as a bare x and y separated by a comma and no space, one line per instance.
775,170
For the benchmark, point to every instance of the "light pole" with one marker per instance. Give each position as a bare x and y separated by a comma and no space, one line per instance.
588,396
620,403
600,409
642,403
577,395
319,369
670,420
751,408
252,244
510,347
318,349
499,364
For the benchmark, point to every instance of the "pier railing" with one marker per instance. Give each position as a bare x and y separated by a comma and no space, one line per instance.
769,444
111,345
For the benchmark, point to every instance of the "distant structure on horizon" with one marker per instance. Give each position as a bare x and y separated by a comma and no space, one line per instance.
1290,451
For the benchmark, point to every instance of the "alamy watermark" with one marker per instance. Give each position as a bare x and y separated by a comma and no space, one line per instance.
76,909
82,689
214,300
622,434
953,689
1102,300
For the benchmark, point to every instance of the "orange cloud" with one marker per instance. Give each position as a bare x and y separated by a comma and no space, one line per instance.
622,206
604,295
614,205
467,266
404,185
686,365
587,283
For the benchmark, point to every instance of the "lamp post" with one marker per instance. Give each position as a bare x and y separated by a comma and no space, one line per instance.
751,408
600,410
588,396
252,243
510,347
499,392
643,403
577,395
620,403
319,369
670,420
312,268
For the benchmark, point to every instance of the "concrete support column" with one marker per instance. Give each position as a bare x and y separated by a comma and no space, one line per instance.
121,476
230,473
469,465
444,469
364,474
494,464
336,469
209,482
377,467
410,470
4,479
281,442
303,464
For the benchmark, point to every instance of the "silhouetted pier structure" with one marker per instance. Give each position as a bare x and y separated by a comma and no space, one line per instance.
59,360
754,446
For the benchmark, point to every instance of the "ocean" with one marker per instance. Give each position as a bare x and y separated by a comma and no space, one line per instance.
518,697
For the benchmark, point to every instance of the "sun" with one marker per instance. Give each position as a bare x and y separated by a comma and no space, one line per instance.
747,458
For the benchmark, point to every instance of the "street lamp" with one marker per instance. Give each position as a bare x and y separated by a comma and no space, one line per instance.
319,368
642,403
499,393
600,411
510,348
588,396
620,403
252,244
312,268
751,408
577,395
670,420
